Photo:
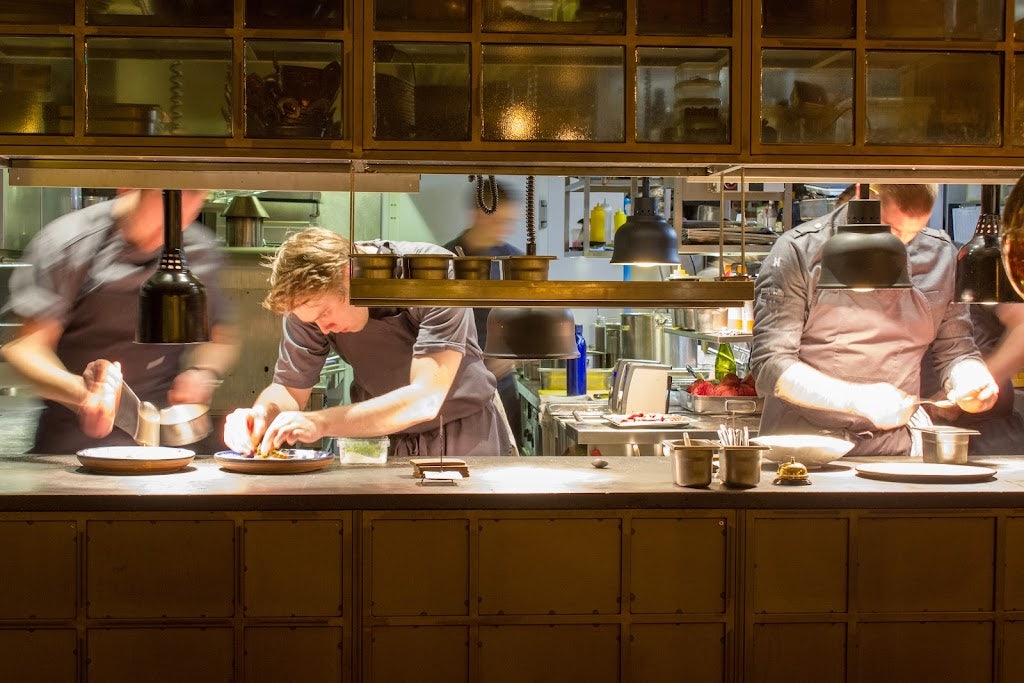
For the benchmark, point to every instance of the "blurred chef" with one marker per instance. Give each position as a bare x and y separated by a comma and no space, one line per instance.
78,305
419,375
847,362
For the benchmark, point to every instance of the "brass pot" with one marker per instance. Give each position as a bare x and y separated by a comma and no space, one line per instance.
473,267
374,266
428,266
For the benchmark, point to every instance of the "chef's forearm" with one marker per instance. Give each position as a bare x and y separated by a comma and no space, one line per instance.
219,354
386,414
278,398
32,355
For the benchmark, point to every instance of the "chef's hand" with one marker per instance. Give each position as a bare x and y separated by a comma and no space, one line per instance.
244,428
886,406
291,427
972,387
103,384
193,385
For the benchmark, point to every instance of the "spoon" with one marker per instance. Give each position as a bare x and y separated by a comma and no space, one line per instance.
942,403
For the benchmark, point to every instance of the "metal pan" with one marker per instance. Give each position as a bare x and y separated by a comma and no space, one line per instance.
184,423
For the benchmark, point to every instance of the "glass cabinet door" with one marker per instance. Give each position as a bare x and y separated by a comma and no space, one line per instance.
682,95
309,14
935,19
556,93
421,91
37,12
158,86
950,98
192,13
694,18
449,16
293,89
36,85
555,16
808,18
807,96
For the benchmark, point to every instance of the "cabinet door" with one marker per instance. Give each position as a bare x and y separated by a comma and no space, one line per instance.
798,652
677,652
583,652
550,566
297,653
293,568
418,567
38,655
158,655
799,565
41,559
925,564
917,651
160,569
1013,651
678,566
1013,581
398,654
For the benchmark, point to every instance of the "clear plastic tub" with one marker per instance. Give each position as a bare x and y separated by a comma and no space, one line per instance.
370,451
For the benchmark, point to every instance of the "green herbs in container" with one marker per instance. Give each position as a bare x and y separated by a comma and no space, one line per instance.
369,451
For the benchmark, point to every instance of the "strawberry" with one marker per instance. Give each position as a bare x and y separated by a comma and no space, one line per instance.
731,378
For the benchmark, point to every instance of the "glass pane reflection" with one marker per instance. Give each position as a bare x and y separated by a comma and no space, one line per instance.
543,92
199,13
808,18
706,18
422,15
929,19
682,95
36,85
1018,99
555,16
293,89
421,91
934,98
807,96
158,86
37,12
294,14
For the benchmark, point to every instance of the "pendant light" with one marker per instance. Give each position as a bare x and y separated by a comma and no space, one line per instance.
980,278
528,333
172,302
645,239
863,254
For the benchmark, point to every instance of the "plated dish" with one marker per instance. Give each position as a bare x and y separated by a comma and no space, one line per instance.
648,420
925,472
134,459
282,461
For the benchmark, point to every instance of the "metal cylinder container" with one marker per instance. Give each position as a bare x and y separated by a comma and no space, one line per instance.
638,336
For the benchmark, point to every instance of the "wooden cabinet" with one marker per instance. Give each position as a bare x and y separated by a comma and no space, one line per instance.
522,82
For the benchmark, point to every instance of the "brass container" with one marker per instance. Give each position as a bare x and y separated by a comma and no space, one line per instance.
374,266
525,267
473,267
428,266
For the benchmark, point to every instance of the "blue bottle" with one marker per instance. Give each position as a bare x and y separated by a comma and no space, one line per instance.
576,368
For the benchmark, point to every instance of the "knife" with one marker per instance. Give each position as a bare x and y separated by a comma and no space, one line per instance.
140,419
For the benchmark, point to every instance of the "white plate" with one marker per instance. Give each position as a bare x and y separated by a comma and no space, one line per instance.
134,459
298,460
925,472
648,420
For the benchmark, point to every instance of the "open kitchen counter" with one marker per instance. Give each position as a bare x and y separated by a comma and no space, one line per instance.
532,569
58,482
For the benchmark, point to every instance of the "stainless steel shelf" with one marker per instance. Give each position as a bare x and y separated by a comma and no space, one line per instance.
727,250
711,337
550,293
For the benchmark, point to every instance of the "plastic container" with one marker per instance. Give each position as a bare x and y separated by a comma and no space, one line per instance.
576,368
368,451
597,225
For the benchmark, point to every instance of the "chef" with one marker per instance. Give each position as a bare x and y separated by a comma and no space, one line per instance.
419,375
847,363
78,304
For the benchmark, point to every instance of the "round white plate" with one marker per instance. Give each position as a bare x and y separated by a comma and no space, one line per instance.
925,472
134,459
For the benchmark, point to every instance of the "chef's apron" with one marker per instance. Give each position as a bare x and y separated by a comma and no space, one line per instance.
862,337
380,360
102,325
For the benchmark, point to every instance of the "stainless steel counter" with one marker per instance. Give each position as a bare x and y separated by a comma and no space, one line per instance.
590,434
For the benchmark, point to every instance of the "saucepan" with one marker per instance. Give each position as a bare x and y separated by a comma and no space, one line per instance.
184,423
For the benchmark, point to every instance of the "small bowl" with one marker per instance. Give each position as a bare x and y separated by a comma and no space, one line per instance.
812,450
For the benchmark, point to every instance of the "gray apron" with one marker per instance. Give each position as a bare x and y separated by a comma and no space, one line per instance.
864,337
102,325
472,423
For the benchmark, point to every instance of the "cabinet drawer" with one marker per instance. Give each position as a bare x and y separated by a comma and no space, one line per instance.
41,559
406,653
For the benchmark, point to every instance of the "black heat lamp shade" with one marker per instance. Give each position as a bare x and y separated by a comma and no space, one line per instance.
172,302
980,277
646,239
535,333
863,253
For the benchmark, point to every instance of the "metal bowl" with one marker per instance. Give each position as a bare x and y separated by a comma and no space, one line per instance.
184,423
812,450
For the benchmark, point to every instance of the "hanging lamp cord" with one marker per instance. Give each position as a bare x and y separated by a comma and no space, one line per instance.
488,209
531,222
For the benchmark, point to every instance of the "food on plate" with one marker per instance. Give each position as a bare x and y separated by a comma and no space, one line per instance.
731,385
274,453
646,418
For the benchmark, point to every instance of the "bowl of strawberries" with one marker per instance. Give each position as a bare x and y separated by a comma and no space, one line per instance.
731,394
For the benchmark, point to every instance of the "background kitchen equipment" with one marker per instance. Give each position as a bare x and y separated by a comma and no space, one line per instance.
244,215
